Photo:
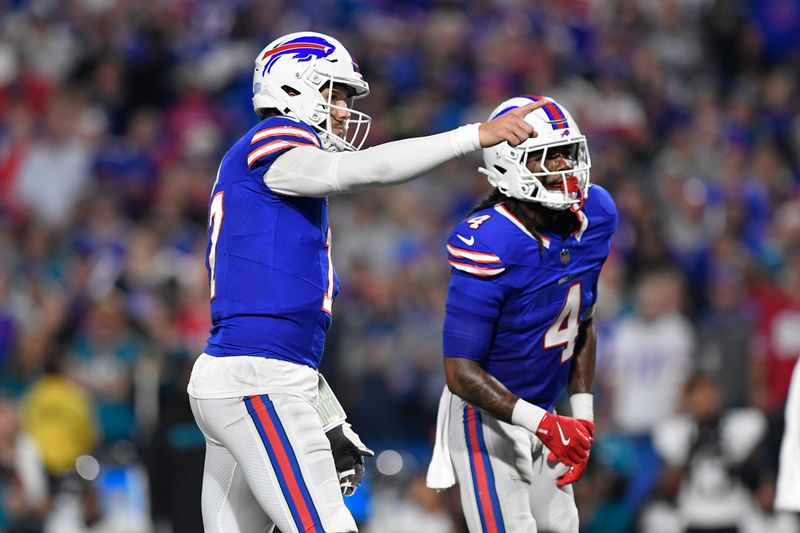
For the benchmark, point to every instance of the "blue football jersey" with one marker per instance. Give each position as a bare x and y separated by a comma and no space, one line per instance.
268,255
515,308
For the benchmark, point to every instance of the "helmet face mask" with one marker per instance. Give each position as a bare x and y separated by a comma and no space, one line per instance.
523,172
290,75
557,189
356,125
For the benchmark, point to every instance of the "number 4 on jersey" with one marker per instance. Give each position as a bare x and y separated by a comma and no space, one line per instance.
475,222
564,329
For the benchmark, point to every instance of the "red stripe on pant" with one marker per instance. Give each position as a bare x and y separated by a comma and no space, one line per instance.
284,464
480,471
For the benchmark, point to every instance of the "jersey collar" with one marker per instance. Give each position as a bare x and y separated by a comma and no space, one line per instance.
503,210
584,224
578,234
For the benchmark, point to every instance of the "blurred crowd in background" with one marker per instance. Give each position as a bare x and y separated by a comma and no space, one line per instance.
114,115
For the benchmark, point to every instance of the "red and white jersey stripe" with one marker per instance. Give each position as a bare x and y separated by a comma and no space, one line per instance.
269,148
478,257
284,131
476,270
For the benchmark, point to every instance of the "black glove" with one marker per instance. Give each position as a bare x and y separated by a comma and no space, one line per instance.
348,456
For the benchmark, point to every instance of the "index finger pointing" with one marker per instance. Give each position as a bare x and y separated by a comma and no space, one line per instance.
527,108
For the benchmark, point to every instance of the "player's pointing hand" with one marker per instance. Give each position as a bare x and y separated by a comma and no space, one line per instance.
511,127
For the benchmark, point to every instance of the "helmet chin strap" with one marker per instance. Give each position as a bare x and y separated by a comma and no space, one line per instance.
569,189
573,187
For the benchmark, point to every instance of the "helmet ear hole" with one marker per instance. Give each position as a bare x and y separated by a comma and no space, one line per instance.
500,169
290,90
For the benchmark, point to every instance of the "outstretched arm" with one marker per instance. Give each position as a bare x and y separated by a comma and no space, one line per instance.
307,171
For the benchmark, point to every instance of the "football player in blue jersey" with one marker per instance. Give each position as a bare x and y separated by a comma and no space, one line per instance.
278,449
518,330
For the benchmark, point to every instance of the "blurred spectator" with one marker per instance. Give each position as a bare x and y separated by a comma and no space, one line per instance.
59,415
127,167
23,484
711,460
726,332
777,342
54,173
650,356
8,325
175,460
104,354
14,146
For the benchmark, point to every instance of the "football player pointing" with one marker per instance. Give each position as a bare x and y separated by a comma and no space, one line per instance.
278,449
518,330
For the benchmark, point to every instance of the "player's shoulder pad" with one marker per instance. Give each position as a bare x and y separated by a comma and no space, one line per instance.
470,250
275,135
601,209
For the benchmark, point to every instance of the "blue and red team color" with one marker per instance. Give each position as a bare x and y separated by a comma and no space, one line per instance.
280,451
501,320
270,304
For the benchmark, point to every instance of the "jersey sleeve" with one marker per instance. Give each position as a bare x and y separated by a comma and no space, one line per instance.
604,209
474,297
471,256
274,137
472,310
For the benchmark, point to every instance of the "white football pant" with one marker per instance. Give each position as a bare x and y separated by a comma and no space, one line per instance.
505,480
268,463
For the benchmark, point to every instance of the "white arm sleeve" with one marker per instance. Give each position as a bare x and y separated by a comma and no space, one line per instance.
307,171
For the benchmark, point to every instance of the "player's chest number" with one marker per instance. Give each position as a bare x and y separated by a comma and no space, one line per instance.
564,330
215,215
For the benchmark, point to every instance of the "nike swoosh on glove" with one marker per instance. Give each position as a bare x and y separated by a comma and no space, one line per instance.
577,470
565,437
348,456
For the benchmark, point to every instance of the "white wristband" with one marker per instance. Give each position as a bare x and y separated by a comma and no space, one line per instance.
466,139
582,404
527,415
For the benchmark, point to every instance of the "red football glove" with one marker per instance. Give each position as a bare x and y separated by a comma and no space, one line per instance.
576,472
565,437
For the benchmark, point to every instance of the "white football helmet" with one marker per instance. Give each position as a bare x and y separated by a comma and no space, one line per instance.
289,75
507,166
